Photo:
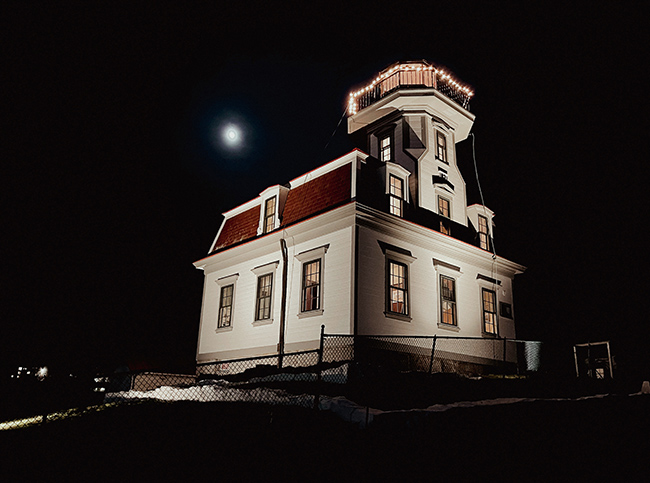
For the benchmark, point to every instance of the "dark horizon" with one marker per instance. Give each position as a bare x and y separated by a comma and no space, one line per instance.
113,184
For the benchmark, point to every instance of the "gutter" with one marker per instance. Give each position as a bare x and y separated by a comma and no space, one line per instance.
283,306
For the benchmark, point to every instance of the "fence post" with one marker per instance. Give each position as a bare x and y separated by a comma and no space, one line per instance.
504,357
319,367
433,350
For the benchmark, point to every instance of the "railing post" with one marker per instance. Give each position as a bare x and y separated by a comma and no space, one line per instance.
319,367
433,350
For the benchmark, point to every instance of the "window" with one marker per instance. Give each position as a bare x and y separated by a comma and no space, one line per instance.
505,310
264,291
489,311
396,293
225,306
483,232
311,286
269,215
441,147
447,300
384,149
397,288
443,206
443,210
396,194
226,312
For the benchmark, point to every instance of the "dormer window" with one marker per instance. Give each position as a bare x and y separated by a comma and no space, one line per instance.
483,233
441,147
269,215
396,195
385,149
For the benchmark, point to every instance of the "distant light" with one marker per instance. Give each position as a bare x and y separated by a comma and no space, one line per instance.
42,373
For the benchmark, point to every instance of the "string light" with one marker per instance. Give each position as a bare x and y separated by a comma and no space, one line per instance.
418,67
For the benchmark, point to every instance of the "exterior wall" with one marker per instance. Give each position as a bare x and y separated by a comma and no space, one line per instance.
247,337
433,255
429,167
337,278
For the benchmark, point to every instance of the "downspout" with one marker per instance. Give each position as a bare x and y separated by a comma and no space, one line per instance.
283,246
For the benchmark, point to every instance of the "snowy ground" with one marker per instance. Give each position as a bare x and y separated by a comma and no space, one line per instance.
224,391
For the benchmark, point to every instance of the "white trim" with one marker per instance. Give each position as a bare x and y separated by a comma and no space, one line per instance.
224,282
349,158
427,237
407,261
269,268
230,279
401,173
450,271
309,256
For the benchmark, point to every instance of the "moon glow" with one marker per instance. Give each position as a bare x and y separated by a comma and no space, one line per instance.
232,135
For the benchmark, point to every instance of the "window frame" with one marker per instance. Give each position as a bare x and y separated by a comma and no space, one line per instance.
269,216
392,196
485,312
505,310
305,289
448,201
441,136
305,258
484,236
391,287
454,272
224,283
221,315
388,147
402,257
445,227
259,272
453,302
267,315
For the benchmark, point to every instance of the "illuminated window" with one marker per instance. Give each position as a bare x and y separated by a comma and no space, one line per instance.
447,300
397,288
264,291
311,286
225,306
384,148
396,195
441,147
443,206
489,298
483,233
443,210
269,215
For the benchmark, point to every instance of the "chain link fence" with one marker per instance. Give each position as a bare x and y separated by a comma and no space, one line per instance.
297,378
461,355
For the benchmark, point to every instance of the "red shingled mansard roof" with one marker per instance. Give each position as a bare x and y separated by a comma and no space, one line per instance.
314,196
318,194
239,228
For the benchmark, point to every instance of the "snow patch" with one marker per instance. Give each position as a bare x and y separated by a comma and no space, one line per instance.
215,391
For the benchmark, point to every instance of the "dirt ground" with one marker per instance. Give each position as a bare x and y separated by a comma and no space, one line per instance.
597,439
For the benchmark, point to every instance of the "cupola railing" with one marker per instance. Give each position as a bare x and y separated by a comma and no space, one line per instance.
409,75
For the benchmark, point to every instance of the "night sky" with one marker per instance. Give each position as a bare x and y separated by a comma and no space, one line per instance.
114,178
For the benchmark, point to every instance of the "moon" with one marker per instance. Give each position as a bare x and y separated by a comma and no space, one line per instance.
232,135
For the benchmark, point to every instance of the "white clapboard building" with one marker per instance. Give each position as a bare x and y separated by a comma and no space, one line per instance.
377,242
